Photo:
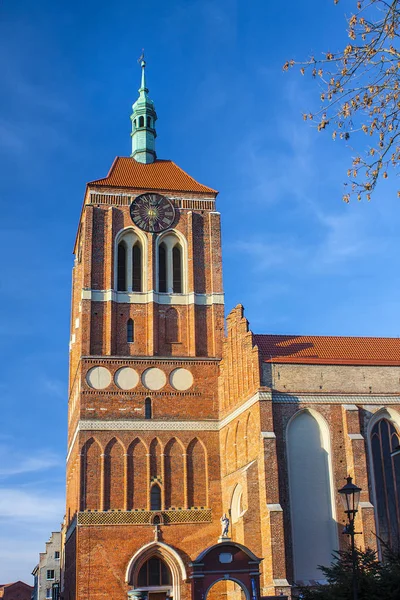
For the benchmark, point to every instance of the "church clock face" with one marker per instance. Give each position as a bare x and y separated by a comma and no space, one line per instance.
152,212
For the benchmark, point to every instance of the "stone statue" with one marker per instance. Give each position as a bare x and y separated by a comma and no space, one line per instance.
224,525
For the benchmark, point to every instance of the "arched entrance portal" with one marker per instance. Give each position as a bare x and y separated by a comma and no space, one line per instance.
155,572
226,571
226,589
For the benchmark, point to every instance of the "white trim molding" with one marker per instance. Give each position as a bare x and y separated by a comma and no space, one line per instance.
268,435
152,296
355,436
274,508
295,398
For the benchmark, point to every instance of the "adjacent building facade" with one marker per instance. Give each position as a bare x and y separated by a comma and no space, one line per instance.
47,573
18,590
174,422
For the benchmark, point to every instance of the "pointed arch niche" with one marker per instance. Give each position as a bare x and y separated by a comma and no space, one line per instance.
130,261
171,263
314,527
383,438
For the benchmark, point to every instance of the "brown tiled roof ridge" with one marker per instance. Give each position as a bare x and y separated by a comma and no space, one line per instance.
162,174
325,349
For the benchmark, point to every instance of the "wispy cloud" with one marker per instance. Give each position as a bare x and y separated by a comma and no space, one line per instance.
14,464
22,504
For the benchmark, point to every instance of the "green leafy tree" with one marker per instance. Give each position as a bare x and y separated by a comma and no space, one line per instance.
376,580
360,93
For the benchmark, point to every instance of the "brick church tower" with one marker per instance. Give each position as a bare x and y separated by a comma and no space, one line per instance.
172,423
143,472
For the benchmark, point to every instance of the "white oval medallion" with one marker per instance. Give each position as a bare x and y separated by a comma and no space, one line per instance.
181,379
98,378
154,379
126,378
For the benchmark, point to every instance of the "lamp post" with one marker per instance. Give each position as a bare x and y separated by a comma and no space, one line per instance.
350,495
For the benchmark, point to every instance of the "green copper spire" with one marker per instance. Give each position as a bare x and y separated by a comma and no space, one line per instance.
143,120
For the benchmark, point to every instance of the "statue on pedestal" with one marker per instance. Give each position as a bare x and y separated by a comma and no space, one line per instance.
224,525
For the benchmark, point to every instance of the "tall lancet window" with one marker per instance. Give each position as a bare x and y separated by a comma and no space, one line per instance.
130,261
384,439
130,333
121,266
155,497
162,268
136,268
171,265
313,521
177,269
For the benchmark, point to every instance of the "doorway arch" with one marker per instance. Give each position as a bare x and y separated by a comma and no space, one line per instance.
171,572
227,589
227,562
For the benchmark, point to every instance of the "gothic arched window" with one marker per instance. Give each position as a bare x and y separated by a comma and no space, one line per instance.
176,270
384,439
314,537
153,573
136,268
130,260
141,121
147,408
130,333
162,268
155,497
171,271
121,266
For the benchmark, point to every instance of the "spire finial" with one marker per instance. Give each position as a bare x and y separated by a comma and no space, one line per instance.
142,63
143,120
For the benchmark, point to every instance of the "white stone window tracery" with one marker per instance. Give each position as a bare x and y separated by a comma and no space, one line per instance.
171,260
130,261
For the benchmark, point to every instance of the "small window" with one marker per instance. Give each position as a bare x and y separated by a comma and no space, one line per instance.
136,268
147,408
148,122
56,554
50,574
162,269
121,267
177,270
48,593
141,121
155,497
130,331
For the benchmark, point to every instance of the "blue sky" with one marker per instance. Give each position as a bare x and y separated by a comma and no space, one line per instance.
297,257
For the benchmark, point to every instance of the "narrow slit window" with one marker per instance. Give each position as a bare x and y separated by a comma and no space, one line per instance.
155,497
130,334
177,270
162,269
121,267
148,122
147,408
141,121
136,268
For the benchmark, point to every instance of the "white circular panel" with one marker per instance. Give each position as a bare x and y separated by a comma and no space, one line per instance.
154,379
98,378
126,378
181,379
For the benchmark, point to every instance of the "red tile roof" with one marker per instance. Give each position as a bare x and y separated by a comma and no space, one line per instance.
125,172
328,350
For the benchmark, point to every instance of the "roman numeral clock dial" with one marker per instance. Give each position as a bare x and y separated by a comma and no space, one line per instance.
152,212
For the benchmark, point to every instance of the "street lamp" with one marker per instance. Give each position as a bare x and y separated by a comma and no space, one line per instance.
350,495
